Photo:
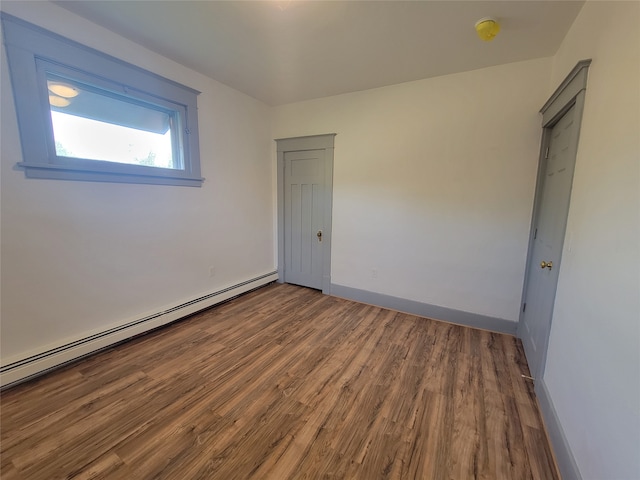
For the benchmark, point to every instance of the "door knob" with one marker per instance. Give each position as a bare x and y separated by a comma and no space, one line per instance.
319,235
548,265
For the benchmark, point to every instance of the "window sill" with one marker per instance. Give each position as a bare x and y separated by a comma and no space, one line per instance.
57,172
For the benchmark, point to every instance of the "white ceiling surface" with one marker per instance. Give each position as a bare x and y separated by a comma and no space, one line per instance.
292,50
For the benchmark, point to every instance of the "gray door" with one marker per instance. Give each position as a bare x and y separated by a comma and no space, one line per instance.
304,222
548,238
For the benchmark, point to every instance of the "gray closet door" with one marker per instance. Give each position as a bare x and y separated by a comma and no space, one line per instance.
548,238
304,203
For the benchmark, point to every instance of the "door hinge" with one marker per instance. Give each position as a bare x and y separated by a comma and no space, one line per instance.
546,153
524,307
535,234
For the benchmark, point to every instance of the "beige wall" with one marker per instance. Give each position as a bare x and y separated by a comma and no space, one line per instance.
593,363
78,257
433,184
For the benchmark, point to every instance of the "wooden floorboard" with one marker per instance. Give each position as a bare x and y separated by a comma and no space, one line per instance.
284,383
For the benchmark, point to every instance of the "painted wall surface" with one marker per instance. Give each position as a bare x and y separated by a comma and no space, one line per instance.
433,184
79,256
593,362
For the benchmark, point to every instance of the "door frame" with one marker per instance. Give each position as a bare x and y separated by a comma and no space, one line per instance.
571,92
296,144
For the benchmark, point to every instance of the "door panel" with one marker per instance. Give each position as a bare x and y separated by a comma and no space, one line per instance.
549,231
304,203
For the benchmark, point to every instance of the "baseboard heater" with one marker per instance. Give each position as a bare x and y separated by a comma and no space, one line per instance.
22,369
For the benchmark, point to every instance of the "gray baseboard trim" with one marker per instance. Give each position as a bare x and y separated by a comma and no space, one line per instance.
435,312
564,457
17,370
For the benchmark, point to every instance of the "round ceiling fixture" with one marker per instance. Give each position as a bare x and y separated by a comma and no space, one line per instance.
63,90
57,101
487,28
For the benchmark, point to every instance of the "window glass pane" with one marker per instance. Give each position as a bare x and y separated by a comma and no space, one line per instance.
94,124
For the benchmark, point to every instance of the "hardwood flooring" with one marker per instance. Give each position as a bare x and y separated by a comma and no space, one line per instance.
284,383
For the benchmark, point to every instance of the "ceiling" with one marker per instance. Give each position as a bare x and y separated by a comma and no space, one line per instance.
283,51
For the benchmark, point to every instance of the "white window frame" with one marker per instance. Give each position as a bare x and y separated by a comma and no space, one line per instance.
33,51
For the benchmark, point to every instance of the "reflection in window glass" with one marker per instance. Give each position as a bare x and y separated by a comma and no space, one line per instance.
92,124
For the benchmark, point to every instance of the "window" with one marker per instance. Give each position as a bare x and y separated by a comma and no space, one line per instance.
84,115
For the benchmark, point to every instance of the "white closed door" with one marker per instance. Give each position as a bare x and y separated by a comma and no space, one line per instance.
304,204
548,239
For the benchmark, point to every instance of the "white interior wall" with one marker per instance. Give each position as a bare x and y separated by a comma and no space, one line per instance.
593,362
80,256
433,184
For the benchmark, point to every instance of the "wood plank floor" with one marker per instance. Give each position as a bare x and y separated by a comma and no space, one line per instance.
284,383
